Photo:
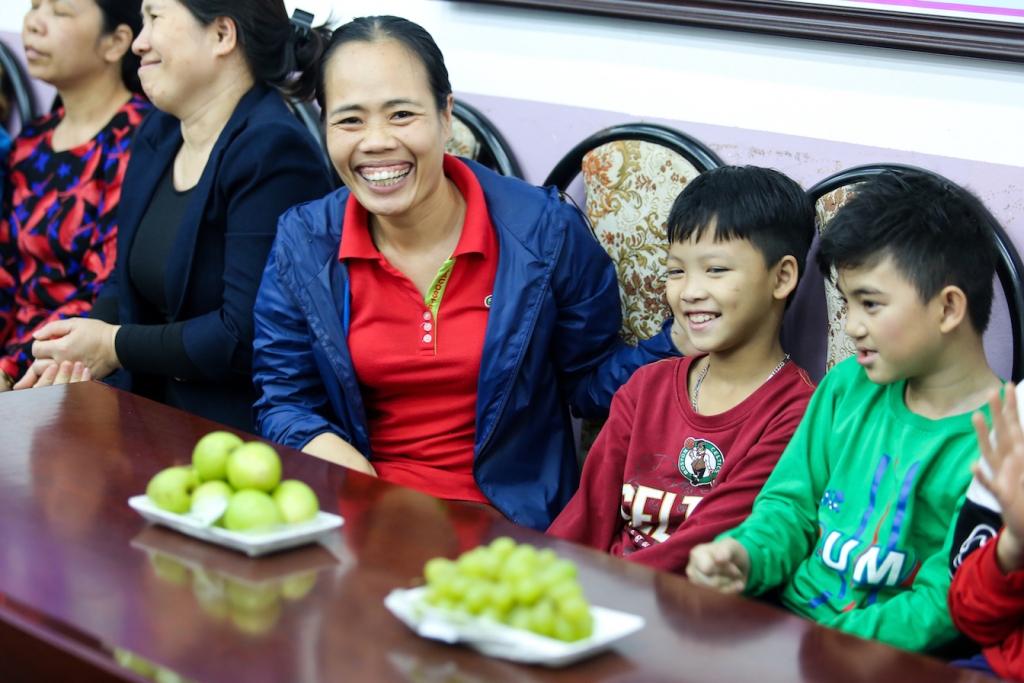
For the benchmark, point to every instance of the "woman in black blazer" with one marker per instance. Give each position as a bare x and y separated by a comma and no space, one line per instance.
210,174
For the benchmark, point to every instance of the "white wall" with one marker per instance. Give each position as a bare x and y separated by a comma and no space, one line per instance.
954,107
963,108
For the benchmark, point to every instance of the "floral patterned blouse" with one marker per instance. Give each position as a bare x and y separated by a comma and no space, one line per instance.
58,229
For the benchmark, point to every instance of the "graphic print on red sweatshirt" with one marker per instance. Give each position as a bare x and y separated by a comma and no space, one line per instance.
58,230
679,484
661,478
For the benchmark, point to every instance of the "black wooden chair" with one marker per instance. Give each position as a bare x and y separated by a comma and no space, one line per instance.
833,192
632,174
475,137
309,115
18,86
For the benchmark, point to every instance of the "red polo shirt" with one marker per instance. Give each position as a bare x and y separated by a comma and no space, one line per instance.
418,360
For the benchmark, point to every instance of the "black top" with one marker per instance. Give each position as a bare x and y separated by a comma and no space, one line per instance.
147,261
264,162
155,347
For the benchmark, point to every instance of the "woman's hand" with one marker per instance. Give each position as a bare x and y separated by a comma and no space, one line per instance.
65,373
78,339
54,373
335,449
34,372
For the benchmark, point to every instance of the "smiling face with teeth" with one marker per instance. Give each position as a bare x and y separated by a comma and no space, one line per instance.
385,134
724,295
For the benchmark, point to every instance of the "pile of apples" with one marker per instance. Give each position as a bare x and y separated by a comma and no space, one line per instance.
247,474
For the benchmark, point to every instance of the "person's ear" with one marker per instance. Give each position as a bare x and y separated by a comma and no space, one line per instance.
116,44
226,34
787,274
953,304
446,117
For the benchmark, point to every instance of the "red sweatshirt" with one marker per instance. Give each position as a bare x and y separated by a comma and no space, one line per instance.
988,607
661,478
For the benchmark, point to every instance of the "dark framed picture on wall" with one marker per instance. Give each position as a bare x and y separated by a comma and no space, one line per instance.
986,29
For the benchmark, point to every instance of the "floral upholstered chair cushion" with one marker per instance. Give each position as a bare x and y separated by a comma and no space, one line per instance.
462,142
840,346
630,186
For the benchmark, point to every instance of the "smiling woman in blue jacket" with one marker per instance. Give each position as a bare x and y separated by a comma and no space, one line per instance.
433,322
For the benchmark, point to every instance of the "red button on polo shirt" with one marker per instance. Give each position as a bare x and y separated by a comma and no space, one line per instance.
418,371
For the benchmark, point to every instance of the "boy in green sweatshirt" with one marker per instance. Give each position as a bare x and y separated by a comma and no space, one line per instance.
855,523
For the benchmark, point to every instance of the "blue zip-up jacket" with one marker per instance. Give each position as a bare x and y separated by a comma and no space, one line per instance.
551,341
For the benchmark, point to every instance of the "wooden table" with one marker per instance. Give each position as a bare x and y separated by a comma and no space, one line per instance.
86,585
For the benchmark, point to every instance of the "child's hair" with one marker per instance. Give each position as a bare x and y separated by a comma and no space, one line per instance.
760,205
936,232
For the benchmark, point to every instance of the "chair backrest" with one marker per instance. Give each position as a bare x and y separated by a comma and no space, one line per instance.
309,115
832,193
20,85
632,174
475,137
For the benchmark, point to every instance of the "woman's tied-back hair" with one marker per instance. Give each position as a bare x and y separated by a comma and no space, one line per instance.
6,93
936,232
760,205
411,35
129,13
280,53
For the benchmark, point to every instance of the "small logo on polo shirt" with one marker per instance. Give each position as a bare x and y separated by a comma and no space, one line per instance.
487,301
699,461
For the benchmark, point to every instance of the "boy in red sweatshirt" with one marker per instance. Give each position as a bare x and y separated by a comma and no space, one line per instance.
690,441
986,597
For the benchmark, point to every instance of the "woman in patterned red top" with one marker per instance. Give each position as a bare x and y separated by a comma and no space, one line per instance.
58,230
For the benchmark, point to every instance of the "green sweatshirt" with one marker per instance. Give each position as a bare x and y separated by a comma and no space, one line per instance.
857,518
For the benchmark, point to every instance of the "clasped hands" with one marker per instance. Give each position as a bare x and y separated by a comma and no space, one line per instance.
72,350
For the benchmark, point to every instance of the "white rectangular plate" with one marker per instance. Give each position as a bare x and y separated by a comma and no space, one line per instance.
504,642
252,543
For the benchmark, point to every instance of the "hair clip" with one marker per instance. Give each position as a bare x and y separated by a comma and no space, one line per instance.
302,22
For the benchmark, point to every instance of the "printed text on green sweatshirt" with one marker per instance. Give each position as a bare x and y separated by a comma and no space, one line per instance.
856,520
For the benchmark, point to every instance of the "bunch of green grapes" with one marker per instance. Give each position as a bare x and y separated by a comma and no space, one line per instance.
515,585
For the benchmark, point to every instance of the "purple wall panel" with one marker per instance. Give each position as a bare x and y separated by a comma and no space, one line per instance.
44,93
541,133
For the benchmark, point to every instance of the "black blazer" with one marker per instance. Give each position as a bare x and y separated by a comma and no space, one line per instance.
264,163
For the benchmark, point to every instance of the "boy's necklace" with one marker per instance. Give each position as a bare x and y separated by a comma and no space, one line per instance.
704,373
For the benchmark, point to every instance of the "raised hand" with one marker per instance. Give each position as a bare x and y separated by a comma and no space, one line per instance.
723,565
1001,471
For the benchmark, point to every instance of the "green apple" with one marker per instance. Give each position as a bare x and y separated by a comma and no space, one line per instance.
211,489
298,586
210,457
133,662
256,623
254,465
171,489
296,501
169,569
210,590
249,509
252,597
